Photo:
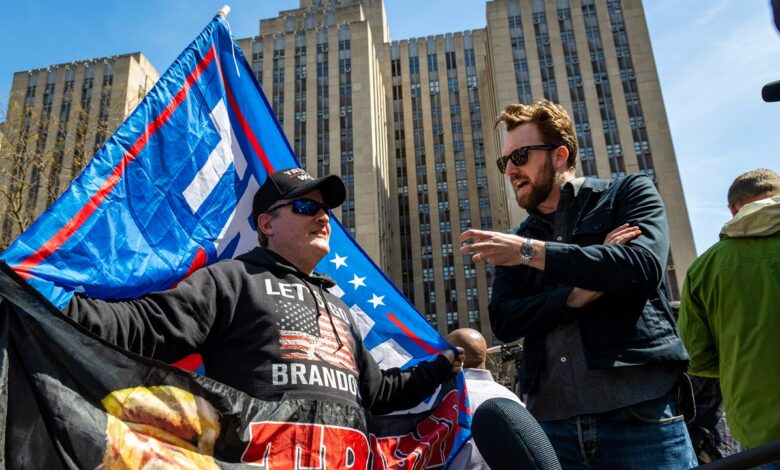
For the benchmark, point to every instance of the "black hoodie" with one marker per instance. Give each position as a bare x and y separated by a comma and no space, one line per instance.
265,328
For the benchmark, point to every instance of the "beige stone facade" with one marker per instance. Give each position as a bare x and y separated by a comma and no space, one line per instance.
321,71
57,118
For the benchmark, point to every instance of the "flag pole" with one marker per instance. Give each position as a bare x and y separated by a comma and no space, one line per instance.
223,12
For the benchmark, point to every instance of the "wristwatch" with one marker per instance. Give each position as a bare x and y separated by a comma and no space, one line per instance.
526,251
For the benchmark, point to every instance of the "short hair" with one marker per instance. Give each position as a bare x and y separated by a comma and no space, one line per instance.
553,121
262,239
750,186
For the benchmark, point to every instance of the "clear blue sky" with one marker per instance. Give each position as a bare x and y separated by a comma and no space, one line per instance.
712,56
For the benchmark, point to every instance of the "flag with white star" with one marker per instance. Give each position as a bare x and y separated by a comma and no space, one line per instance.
393,331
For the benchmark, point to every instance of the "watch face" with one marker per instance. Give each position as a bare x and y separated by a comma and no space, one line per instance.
527,250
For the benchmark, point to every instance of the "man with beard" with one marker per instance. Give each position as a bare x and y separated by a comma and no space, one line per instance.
581,279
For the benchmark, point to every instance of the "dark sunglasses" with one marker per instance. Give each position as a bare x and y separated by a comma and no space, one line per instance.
519,157
307,207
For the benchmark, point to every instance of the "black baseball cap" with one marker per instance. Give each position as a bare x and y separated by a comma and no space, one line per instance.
293,182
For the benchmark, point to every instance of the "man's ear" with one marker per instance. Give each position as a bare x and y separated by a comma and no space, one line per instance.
264,224
560,158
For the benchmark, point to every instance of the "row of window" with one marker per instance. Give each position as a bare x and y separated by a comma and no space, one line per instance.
600,76
435,128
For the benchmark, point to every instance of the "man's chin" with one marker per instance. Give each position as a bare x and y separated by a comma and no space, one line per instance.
321,245
524,201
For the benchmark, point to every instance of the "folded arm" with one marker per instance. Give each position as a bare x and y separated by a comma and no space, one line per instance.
517,309
637,265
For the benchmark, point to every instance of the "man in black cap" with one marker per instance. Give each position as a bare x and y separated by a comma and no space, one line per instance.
264,322
304,195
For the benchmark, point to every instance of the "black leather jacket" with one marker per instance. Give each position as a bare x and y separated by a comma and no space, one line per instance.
632,322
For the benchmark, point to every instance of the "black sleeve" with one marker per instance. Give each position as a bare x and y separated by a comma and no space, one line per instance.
385,391
637,266
164,325
518,309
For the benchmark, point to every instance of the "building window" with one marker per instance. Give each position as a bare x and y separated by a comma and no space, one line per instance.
469,56
277,102
450,59
257,59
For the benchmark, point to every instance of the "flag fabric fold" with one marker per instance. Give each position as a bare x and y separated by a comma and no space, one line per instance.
168,193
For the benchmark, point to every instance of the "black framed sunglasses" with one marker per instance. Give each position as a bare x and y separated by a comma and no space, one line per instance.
307,207
519,157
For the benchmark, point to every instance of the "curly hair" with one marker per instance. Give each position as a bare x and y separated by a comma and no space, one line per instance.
552,120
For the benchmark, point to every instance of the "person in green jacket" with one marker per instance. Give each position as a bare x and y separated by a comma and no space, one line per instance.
730,309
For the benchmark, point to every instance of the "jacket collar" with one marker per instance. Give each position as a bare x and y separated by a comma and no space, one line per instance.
756,219
594,185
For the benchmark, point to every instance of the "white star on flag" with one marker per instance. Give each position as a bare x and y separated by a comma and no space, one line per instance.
376,301
357,281
339,261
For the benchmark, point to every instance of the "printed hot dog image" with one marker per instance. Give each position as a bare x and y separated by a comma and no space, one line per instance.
159,427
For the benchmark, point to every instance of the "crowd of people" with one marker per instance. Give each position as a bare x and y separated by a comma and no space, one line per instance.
580,280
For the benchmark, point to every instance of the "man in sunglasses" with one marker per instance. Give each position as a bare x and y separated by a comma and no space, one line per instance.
581,279
265,323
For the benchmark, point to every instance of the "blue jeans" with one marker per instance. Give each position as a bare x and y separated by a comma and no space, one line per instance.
648,435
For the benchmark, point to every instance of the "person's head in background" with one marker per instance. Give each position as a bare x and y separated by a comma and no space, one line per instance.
753,186
473,344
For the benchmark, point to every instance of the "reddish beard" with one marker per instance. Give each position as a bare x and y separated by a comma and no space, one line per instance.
540,189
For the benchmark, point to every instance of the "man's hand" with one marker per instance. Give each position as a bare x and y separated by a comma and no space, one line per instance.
501,249
457,362
580,297
622,235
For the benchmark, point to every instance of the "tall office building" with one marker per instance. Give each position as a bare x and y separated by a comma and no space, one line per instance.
409,125
57,118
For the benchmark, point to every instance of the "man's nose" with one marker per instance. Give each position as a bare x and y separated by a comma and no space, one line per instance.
511,168
323,216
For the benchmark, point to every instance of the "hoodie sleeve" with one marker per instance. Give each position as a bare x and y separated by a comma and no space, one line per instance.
165,325
387,390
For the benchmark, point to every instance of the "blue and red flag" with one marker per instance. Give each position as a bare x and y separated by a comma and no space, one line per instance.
171,191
